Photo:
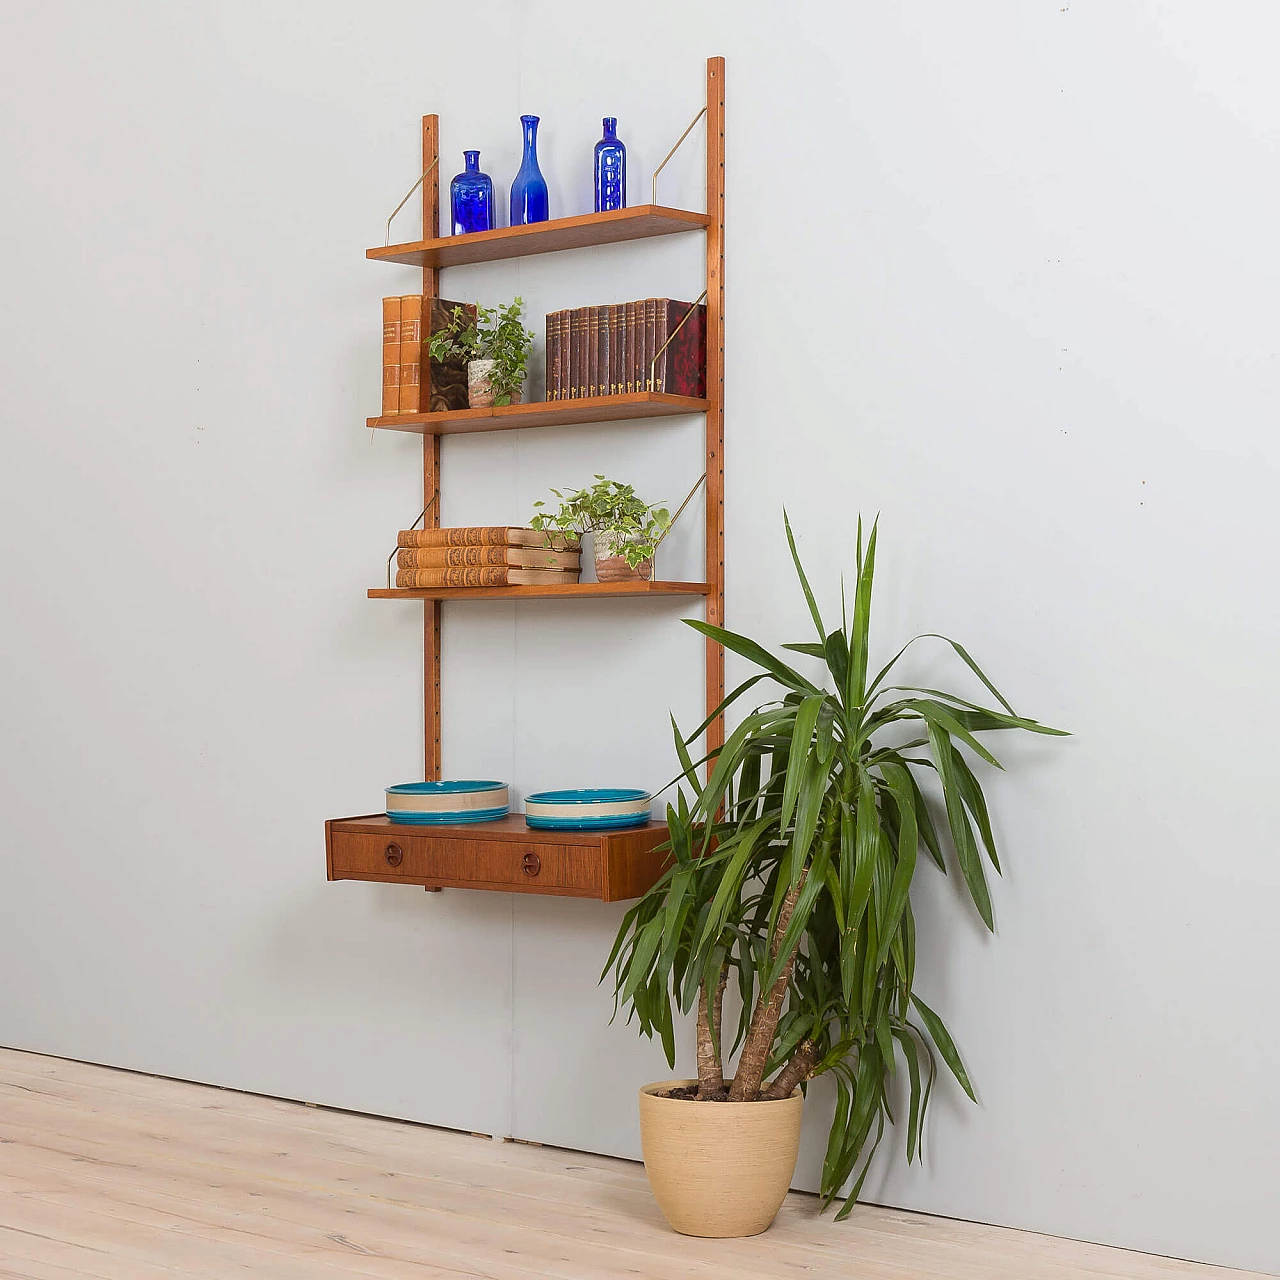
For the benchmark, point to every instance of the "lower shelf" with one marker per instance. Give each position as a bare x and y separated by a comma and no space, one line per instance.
505,855
569,591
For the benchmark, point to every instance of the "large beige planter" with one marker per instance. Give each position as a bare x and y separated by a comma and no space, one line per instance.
719,1168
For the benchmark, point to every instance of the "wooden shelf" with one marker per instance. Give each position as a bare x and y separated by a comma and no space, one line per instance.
586,231
505,855
545,413
572,591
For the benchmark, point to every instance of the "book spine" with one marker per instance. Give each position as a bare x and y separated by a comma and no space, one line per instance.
602,337
551,355
650,332
492,554
617,351
390,356
629,346
486,535
593,351
464,536
468,576
571,365
580,371
562,355
410,352
662,314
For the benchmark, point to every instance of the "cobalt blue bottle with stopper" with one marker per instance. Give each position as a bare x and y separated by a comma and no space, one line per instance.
471,198
529,190
611,169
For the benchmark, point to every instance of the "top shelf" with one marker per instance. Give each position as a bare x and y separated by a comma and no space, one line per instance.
584,232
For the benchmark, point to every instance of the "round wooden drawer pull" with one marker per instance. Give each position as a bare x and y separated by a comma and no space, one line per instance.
395,855
531,864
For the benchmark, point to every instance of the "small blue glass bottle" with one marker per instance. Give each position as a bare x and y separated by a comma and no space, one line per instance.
471,198
529,190
611,169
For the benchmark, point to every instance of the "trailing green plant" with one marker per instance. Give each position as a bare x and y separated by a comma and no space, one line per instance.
607,507
495,334
791,874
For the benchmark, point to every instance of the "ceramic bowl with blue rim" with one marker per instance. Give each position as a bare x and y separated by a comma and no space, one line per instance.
593,809
447,802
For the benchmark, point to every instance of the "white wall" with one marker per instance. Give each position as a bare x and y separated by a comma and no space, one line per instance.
1030,250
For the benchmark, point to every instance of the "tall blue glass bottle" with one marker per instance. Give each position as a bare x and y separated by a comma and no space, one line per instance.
611,169
471,198
529,190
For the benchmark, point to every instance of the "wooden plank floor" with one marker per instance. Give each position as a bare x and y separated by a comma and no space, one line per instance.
128,1177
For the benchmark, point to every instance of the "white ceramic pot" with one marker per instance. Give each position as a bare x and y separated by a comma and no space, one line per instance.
719,1168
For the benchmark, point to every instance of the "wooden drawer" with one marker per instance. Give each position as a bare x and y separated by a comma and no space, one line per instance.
521,867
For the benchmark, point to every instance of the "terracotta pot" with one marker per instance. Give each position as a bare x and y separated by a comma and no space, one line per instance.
718,1168
612,566
479,389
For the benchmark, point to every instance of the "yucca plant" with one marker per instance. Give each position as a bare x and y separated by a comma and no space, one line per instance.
791,873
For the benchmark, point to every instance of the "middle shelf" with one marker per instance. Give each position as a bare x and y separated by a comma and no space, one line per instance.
543,413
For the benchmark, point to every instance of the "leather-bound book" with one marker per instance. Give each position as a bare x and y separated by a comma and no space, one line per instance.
464,557
552,356
650,343
593,351
681,367
562,355
447,386
390,356
581,317
602,349
629,346
487,536
615,350
410,352
483,576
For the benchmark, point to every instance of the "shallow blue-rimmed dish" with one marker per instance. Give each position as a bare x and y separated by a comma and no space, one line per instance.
425,803
588,809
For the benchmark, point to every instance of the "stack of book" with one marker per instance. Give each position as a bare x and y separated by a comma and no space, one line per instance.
404,355
657,344
485,556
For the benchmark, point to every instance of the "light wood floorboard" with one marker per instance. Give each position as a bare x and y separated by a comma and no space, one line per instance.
120,1176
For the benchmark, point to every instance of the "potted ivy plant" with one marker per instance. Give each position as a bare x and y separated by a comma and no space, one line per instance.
790,877
494,345
627,529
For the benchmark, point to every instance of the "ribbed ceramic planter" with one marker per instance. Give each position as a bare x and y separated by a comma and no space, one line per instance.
612,566
718,1168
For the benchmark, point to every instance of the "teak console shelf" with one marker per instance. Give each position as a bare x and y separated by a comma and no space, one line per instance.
506,855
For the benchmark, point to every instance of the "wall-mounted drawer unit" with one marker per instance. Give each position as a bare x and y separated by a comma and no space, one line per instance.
504,855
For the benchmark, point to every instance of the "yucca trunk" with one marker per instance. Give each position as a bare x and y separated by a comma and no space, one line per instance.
764,1022
710,1024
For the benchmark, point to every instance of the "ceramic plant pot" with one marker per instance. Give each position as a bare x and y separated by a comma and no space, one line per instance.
480,389
718,1168
611,564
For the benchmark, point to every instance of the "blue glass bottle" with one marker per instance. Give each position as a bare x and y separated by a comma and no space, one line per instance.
529,190
471,198
611,169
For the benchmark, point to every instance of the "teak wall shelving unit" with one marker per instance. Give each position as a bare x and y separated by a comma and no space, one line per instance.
505,855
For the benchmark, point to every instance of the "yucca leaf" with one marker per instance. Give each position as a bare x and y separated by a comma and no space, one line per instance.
804,581
899,781
976,803
961,831
859,638
753,652
903,1036
801,739
940,1036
